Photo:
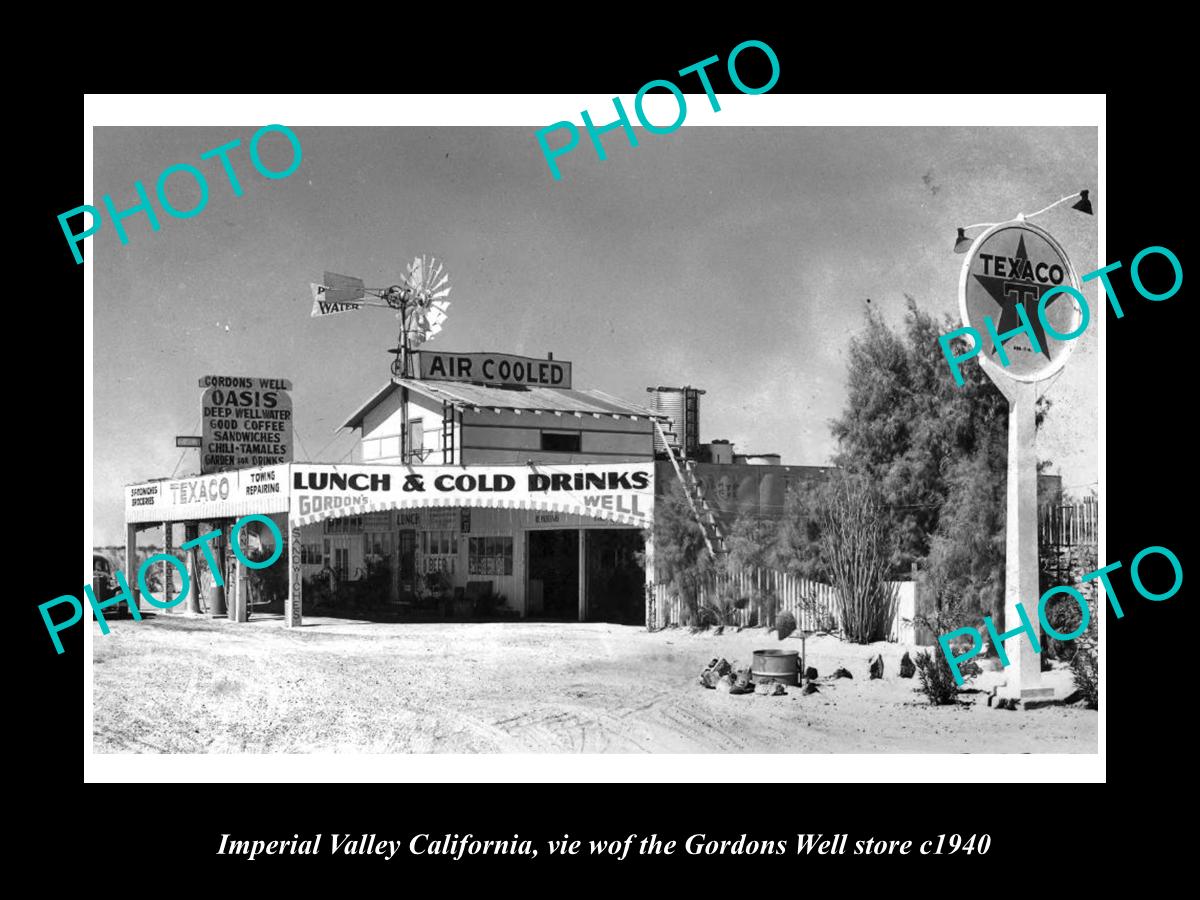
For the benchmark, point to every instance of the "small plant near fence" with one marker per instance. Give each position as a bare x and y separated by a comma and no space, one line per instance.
1085,665
937,681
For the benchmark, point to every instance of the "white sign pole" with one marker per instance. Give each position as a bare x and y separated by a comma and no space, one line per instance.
1021,541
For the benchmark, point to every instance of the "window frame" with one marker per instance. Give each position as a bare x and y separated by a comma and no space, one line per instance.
561,433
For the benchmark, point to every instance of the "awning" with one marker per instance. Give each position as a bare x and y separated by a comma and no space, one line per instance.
221,495
622,493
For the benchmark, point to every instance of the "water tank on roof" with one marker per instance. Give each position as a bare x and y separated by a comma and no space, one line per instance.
720,453
681,406
762,459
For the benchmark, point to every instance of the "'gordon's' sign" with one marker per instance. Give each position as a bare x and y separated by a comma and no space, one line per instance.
495,368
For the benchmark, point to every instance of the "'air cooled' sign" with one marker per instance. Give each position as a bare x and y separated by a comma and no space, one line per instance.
494,368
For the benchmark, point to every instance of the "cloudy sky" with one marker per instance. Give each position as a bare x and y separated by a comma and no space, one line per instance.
737,260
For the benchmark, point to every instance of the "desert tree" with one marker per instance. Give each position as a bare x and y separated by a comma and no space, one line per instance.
751,544
937,454
682,560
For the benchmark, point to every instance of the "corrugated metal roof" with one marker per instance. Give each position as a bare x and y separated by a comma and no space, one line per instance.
524,398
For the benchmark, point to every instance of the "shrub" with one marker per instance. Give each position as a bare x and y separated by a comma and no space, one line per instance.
785,624
1085,665
858,551
827,622
937,681
681,557
1063,614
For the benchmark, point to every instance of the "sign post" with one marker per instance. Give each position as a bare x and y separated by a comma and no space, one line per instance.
1007,271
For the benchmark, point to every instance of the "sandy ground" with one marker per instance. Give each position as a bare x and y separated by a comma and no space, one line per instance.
188,685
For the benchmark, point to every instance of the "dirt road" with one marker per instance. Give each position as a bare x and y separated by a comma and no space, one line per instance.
186,685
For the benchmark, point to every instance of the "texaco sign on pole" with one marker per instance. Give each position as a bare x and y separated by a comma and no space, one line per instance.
1012,266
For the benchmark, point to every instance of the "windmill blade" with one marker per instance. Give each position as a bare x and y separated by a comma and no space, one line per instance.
430,284
414,274
423,273
438,280
343,288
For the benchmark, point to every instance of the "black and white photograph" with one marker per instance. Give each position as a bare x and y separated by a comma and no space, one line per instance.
440,439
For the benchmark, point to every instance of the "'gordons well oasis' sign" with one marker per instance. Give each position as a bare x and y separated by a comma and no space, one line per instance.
247,422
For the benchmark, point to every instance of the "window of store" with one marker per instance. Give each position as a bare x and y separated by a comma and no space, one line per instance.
416,439
439,550
490,556
562,441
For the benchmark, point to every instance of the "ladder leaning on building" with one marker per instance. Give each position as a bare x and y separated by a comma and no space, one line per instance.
706,517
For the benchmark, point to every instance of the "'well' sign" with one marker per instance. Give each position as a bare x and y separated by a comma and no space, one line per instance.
495,368
247,422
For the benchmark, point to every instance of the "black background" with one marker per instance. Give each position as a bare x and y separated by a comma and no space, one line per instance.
1042,835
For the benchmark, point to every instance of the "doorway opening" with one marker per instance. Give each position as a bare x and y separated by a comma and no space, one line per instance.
554,573
616,580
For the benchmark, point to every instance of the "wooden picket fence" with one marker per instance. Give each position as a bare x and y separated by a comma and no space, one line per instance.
1068,525
1067,536
790,590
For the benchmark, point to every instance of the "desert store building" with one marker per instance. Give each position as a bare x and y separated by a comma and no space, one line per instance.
516,532
520,496
516,495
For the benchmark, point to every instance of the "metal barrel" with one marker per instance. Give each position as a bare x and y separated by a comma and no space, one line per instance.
782,666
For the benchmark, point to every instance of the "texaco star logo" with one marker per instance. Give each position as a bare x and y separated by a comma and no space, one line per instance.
1011,282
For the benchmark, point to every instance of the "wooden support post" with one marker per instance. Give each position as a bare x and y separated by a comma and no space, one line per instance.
293,604
651,606
131,563
192,603
168,570
241,604
582,575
